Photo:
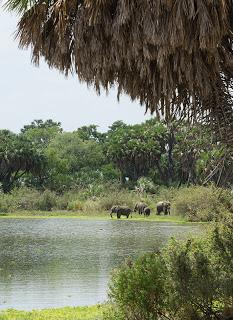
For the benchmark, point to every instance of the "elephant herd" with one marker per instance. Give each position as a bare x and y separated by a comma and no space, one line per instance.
142,208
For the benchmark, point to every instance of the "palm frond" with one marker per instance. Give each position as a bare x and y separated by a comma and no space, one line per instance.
175,57
19,6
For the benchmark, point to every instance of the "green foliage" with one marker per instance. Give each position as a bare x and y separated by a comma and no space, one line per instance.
199,203
47,201
41,132
69,157
142,157
7,203
19,5
87,133
18,156
28,199
192,203
117,197
140,288
25,198
136,149
188,280
146,185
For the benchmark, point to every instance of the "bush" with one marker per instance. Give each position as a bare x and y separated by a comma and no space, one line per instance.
189,280
7,203
198,203
75,205
123,197
167,194
26,198
47,201
146,185
140,288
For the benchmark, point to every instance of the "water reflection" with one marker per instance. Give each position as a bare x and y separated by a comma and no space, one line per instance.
59,262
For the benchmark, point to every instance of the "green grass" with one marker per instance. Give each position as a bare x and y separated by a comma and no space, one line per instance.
68,313
78,215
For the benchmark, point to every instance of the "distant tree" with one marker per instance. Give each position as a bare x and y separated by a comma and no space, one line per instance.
18,157
90,133
68,155
42,132
137,149
117,125
199,158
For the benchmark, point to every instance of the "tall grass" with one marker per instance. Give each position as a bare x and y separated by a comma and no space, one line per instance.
194,203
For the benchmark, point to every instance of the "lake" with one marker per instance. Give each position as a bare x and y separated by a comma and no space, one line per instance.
67,262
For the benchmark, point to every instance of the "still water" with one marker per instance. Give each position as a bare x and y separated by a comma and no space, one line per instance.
67,262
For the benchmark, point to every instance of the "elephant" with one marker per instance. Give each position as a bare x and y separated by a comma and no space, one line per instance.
113,210
140,206
163,206
146,212
121,211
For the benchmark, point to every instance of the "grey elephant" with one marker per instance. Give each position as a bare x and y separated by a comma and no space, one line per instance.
163,206
113,210
146,212
121,211
140,206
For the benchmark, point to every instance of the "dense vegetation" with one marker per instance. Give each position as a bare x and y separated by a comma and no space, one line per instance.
189,280
45,168
43,156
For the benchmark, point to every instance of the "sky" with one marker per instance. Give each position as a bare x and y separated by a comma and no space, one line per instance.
28,92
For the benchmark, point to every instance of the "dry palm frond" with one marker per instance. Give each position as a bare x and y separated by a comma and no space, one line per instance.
176,57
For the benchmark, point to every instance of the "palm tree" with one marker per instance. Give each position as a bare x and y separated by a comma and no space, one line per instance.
175,57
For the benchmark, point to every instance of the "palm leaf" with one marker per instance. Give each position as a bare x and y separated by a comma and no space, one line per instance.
19,6
175,57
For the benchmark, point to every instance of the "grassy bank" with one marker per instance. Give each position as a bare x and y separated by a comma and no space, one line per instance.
77,215
68,313
194,203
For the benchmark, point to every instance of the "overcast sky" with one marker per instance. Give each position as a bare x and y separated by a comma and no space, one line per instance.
29,93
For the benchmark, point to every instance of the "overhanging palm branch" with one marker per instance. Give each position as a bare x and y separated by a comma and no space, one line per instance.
175,57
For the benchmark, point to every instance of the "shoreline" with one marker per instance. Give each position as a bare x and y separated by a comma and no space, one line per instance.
67,313
95,217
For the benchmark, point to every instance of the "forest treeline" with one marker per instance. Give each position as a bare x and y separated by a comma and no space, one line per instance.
146,155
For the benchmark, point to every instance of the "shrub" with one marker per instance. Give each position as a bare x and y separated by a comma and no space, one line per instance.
92,206
198,203
140,288
64,200
7,203
146,185
75,205
117,198
167,194
26,198
47,201
188,280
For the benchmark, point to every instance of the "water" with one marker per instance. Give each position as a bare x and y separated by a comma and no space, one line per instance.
67,262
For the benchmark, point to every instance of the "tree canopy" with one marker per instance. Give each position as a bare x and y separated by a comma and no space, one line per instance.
45,157
18,157
175,57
